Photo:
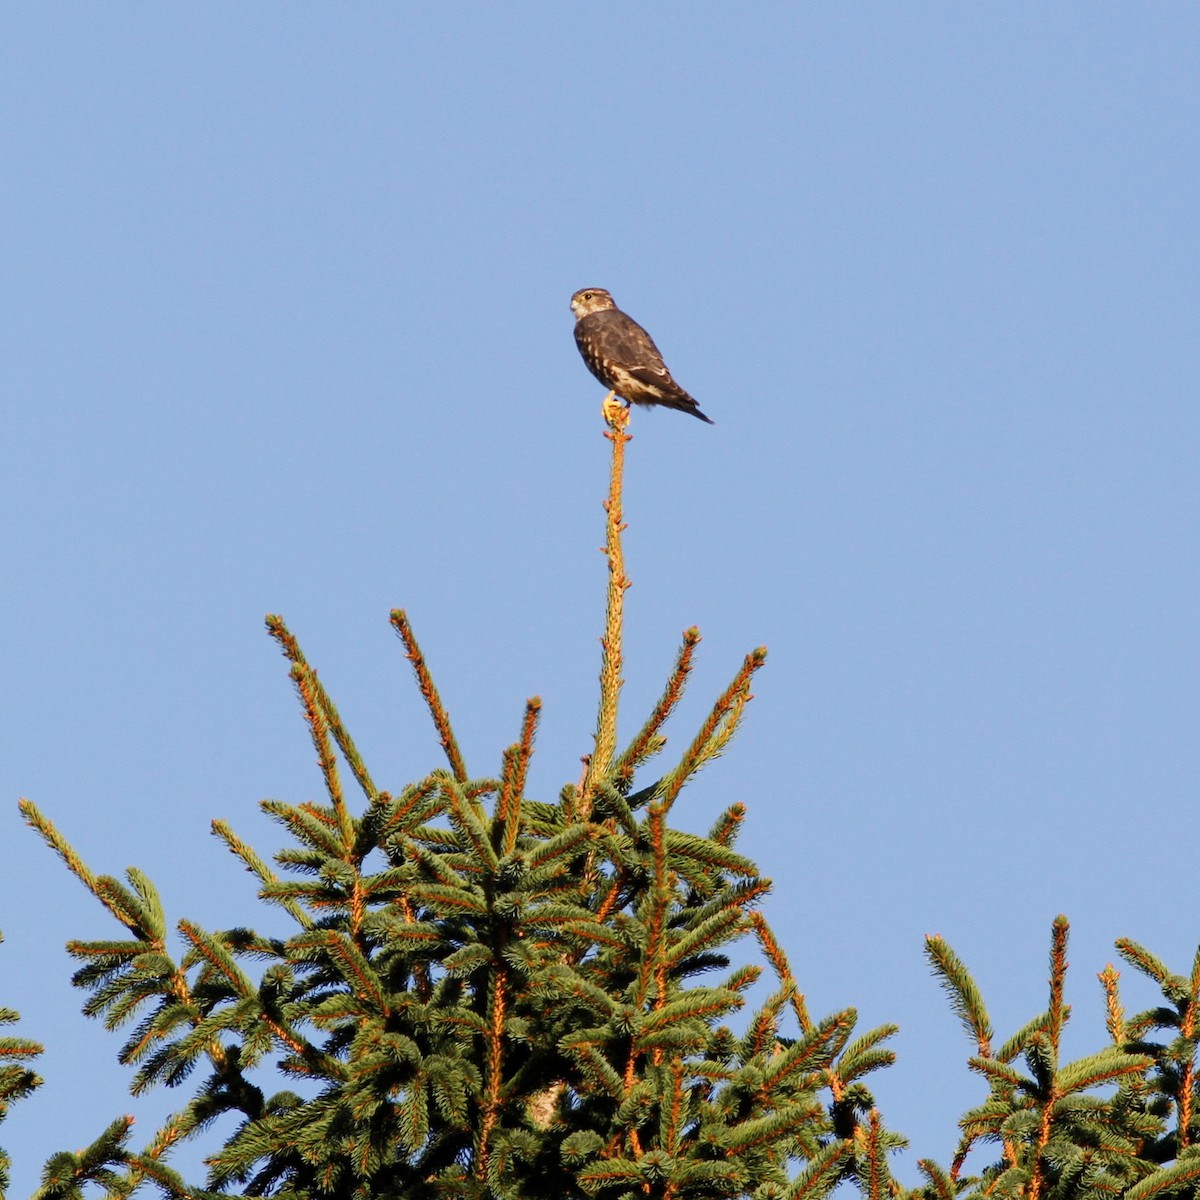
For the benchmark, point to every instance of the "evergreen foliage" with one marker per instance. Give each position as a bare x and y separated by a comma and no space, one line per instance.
1117,1122
17,1079
491,995
484,993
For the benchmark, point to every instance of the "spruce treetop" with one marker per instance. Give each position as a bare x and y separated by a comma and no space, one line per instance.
477,992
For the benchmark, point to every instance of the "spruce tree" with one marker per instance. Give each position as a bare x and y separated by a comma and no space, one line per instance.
1121,1121
486,993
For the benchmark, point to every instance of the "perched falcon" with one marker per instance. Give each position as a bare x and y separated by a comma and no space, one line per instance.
621,354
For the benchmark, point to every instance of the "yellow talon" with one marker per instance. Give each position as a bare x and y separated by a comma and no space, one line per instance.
616,412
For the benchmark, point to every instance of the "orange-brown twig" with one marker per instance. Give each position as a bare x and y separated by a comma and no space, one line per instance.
429,692
516,769
642,744
717,729
320,698
778,960
1114,1012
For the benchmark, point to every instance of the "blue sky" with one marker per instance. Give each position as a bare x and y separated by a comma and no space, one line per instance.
286,330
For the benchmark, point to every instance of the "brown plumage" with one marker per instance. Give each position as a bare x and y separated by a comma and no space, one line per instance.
623,356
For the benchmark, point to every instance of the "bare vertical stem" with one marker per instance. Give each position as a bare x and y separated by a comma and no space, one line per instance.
610,663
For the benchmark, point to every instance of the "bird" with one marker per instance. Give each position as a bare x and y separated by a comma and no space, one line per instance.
623,356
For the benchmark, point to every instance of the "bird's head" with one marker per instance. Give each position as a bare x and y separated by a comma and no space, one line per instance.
590,300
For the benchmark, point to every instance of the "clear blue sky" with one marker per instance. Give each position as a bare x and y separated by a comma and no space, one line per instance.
286,330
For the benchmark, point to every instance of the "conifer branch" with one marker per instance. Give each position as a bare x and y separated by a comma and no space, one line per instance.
716,731
1149,964
256,866
50,835
493,1065
1194,981
304,678
1019,1042
351,965
1170,1179
763,1033
1187,1079
996,1071
148,1166
822,1172
675,1110
612,896
429,692
647,739
778,960
728,825
555,851
1043,1054
745,976
1058,977
140,914
467,819
871,1158
653,954
208,948
66,1173
1114,1019
940,1183
292,652
308,825
612,805
1095,1070
512,780
965,998
17,1079
600,762
813,1053
414,806
1045,1127
129,910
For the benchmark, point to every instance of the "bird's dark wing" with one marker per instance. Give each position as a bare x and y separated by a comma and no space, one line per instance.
623,356
626,342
